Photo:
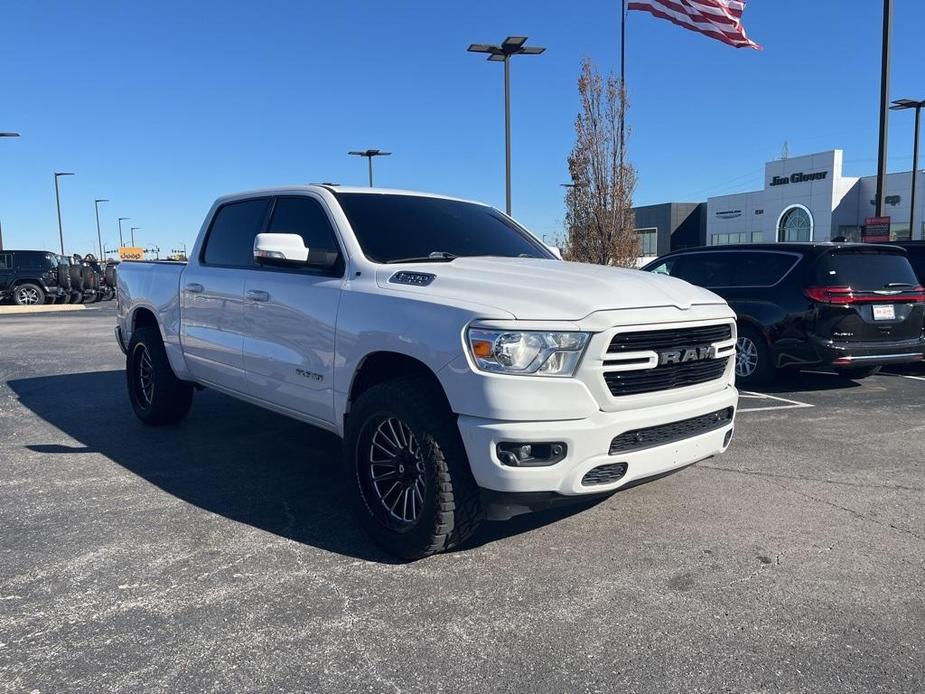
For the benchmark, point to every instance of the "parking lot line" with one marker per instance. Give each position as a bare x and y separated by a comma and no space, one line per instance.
914,378
787,404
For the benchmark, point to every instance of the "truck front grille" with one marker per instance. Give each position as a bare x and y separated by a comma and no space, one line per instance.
669,375
668,339
664,377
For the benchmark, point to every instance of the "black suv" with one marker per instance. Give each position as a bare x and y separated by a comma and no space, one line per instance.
852,307
29,277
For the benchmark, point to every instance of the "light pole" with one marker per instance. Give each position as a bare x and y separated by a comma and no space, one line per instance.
121,242
99,235
884,105
132,231
369,154
58,174
512,45
902,105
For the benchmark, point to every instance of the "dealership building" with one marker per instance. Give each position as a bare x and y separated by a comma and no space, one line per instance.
804,198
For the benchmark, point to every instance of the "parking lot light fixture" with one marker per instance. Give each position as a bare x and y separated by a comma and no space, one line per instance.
9,134
99,235
902,105
58,175
369,154
132,232
121,242
512,45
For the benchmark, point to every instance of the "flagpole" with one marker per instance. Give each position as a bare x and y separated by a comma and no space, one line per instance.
622,79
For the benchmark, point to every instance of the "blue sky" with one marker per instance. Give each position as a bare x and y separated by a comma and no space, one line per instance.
161,107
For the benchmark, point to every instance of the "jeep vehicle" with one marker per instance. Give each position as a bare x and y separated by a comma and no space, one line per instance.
470,372
105,287
852,307
29,277
90,279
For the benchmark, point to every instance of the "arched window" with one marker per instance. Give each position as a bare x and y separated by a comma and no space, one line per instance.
796,224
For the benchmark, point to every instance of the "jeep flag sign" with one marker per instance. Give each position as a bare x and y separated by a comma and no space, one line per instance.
131,253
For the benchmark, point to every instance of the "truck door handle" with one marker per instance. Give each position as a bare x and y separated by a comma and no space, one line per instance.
258,295
194,288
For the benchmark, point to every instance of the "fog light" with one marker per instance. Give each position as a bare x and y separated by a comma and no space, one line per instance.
531,454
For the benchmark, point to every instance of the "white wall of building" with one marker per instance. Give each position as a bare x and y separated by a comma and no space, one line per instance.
837,204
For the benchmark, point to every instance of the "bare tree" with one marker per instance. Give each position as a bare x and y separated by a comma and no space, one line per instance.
599,216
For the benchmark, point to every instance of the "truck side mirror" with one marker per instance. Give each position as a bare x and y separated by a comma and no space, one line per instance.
288,249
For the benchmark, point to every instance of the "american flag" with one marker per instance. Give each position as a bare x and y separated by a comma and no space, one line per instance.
718,19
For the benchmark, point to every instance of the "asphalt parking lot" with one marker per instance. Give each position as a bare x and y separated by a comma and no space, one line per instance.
220,556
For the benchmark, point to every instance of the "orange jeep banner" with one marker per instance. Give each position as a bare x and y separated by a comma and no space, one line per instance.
131,253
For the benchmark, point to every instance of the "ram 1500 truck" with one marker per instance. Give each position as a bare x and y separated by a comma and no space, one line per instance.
470,372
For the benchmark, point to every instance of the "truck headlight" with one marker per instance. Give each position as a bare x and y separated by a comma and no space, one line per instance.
537,353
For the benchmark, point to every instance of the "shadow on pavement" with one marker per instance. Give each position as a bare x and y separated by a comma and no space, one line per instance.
228,457
806,382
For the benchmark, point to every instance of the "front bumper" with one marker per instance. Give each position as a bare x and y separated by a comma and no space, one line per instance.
588,442
871,353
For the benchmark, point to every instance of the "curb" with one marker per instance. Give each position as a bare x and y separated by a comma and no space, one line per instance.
45,308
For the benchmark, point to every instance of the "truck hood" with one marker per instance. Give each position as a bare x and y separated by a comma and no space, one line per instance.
538,289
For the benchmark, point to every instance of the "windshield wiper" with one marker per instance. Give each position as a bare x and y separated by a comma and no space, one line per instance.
436,256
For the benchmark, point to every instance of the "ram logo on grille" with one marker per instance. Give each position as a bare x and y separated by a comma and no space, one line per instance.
686,354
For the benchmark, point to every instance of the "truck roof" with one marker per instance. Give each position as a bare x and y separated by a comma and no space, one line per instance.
335,189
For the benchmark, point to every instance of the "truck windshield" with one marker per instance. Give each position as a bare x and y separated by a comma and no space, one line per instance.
394,228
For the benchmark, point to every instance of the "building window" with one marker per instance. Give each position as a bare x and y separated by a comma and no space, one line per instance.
795,224
900,232
648,242
726,239
757,237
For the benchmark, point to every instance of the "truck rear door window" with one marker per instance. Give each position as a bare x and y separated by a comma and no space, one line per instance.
864,270
231,238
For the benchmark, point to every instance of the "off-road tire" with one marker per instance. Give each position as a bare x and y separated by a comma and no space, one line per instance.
763,369
451,509
168,400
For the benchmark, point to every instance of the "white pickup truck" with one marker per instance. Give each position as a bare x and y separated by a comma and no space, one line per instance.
470,372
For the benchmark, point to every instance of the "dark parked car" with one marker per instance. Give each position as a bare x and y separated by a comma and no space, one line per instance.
915,250
852,307
29,277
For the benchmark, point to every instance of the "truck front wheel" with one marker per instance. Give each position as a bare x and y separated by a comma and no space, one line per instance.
407,470
157,395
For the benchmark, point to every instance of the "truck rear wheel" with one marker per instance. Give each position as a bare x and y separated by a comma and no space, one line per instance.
157,395
407,470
